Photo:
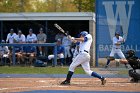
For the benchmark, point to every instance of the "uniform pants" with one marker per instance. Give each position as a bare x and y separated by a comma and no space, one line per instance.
118,52
82,58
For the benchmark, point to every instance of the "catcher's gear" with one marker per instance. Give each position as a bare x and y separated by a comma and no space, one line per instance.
110,58
135,75
130,53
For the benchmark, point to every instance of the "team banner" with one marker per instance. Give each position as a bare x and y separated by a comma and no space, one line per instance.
121,16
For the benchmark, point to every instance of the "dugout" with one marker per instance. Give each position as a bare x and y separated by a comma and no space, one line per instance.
74,22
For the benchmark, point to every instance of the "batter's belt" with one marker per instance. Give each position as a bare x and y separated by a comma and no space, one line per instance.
84,51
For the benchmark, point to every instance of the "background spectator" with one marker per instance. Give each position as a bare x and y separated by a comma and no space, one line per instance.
41,38
10,36
60,52
20,38
59,36
31,37
29,52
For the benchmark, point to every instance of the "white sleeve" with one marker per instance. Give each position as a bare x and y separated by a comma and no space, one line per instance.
23,38
27,39
7,38
114,40
6,49
35,38
121,39
15,36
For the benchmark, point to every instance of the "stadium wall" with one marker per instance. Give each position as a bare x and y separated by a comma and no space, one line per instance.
117,15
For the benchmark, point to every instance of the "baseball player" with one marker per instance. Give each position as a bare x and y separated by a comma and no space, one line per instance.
134,62
60,52
29,52
31,37
20,38
41,38
11,39
10,36
82,58
4,53
116,48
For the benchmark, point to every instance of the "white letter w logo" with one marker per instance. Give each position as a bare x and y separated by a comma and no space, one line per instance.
121,13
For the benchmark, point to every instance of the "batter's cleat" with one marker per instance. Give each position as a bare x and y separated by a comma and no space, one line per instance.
103,81
66,82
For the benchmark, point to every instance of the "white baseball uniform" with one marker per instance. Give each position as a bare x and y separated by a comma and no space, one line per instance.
20,38
4,51
31,38
116,49
83,57
10,37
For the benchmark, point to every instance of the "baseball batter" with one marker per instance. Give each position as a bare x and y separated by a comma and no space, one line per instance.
116,48
82,58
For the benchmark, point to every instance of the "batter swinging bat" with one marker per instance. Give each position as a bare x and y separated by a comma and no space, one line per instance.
60,29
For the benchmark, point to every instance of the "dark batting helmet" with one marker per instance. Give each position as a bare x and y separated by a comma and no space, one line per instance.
117,33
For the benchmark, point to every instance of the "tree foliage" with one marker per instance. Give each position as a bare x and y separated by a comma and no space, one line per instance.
46,5
85,5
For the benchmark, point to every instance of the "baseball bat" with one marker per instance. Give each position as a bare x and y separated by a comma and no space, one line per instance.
60,29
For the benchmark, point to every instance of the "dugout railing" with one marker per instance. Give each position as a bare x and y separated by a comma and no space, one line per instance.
33,44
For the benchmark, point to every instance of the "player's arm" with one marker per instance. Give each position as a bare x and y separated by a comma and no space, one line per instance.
120,41
80,39
7,38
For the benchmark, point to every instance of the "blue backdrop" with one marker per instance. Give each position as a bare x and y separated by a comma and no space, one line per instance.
117,15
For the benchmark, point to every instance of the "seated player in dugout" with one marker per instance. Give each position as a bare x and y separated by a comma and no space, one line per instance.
18,53
4,53
134,62
60,52
29,52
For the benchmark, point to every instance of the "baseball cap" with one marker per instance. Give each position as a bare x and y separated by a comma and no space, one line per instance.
11,29
19,31
41,29
58,40
117,33
2,41
30,30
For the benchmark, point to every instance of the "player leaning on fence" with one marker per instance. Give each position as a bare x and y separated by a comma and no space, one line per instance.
82,58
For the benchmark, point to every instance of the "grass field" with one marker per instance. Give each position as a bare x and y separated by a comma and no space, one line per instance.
37,70
49,70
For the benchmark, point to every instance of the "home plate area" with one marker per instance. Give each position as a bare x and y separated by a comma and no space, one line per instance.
82,85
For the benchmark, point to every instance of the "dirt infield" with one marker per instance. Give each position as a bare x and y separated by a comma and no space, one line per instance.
83,84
